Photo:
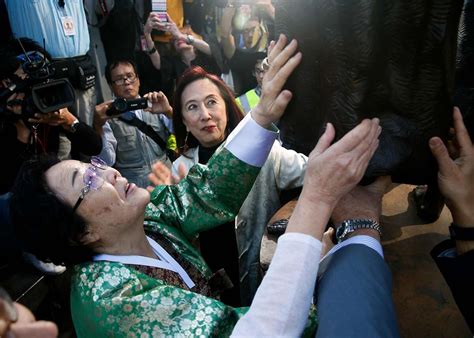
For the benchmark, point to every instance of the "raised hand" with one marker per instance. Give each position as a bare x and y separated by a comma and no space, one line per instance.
159,103
282,61
333,171
161,175
456,176
154,22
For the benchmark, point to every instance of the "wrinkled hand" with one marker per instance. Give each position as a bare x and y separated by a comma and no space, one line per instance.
362,201
333,170
161,175
273,100
159,103
456,177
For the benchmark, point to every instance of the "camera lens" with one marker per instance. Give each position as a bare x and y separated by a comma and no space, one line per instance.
120,104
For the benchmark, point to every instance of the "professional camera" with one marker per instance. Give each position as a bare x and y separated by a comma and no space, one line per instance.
121,105
45,87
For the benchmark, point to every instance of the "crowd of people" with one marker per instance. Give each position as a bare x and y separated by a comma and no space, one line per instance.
156,194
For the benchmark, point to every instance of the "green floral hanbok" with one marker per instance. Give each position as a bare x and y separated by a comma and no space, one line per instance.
111,299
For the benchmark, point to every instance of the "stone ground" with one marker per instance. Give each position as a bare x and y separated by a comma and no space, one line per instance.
424,304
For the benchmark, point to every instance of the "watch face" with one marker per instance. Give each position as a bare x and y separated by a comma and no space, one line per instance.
74,126
340,231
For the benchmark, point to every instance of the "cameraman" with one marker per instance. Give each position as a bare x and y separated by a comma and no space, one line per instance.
61,27
24,130
126,146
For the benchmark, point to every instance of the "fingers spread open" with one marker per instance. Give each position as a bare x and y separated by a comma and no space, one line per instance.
280,58
282,101
277,47
282,74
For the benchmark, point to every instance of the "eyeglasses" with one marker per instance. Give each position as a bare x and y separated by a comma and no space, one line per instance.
92,179
130,77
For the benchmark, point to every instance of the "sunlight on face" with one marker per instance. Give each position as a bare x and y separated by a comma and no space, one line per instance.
204,112
113,200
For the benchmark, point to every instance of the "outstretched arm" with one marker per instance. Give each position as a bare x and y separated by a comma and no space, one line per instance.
227,39
153,22
244,152
280,307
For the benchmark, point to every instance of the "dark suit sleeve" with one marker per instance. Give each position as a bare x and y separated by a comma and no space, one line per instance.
354,295
85,140
458,271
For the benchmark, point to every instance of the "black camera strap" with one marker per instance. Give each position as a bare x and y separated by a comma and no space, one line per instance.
151,133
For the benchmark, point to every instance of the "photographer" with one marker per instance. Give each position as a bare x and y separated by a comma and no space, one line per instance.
61,27
134,139
191,50
24,129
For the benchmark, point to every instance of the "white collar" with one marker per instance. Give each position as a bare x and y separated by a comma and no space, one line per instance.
164,261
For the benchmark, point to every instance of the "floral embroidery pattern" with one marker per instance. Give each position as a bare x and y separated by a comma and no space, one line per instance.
112,299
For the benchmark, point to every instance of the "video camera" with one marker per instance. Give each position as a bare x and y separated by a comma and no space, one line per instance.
46,88
121,105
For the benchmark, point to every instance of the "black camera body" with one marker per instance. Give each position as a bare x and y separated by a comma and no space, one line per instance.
45,88
121,105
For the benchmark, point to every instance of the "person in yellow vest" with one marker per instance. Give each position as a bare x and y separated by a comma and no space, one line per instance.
250,99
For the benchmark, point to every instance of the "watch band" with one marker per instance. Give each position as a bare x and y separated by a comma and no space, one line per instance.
189,39
73,126
350,225
458,233
151,51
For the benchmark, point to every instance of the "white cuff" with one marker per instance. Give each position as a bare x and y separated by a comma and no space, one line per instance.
301,238
360,239
250,142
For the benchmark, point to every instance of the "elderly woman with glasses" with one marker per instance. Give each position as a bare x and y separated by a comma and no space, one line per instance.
137,272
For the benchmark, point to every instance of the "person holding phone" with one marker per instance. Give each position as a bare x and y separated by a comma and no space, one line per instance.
190,48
